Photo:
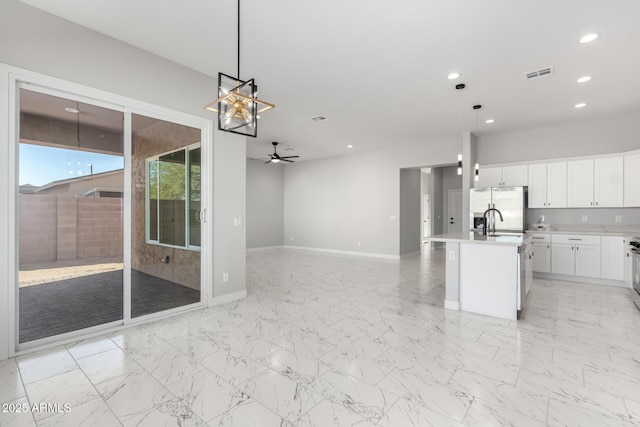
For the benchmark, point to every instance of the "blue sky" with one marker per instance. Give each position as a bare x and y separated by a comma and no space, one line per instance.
41,165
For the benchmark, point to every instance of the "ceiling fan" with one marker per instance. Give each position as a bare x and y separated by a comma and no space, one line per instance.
275,157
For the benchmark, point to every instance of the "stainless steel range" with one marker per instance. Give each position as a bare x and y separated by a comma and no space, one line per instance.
635,270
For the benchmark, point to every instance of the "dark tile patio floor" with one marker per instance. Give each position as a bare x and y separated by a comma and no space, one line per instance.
71,304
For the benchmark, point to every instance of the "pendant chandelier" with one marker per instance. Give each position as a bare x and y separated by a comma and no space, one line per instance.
237,105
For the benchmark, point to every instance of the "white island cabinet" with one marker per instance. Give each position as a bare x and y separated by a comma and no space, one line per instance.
487,275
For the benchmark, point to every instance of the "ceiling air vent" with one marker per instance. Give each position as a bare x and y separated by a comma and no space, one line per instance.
318,118
537,74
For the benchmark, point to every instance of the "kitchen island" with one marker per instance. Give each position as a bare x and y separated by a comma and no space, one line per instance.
487,274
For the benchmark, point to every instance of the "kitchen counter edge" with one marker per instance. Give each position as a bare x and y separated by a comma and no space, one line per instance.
482,240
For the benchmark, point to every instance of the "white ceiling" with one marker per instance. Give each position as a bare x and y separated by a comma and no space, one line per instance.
51,106
378,69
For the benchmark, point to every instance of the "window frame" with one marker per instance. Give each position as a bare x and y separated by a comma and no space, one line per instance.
147,208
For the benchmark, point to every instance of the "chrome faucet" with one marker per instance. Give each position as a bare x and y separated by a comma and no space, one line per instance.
484,220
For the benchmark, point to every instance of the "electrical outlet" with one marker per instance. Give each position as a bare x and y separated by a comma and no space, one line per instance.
618,218
225,277
585,218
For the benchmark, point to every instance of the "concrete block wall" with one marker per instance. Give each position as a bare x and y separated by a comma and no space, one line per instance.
38,229
59,227
99,227
67,228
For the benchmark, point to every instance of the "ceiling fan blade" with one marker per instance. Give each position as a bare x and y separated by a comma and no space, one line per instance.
288,157
268,161
285,160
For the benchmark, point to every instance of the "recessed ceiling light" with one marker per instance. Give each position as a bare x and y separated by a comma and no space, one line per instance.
71,110
584,79
349,146
453,76
587,38
581,105
489,121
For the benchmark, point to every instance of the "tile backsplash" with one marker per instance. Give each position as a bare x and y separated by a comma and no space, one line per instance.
627,216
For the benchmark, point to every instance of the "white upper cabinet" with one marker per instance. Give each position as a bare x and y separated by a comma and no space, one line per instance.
507,176
595,183
605,182
557,185
538,185
548,185
514,176
608,176
489,177
632,180
580,184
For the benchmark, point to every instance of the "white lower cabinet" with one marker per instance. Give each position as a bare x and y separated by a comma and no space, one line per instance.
541,253
575,255
588,260
612,259
563,258
603,257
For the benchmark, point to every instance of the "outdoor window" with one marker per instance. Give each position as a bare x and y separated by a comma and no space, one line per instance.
173,198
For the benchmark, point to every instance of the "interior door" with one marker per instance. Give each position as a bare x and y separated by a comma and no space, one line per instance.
426,215
426,221
455,211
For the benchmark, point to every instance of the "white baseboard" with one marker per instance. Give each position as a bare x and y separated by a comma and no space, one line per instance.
336,251
223,299
452,305
580,279
410,254
265,248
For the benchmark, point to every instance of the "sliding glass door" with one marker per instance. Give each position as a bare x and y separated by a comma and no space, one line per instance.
110,215
165,215
70,216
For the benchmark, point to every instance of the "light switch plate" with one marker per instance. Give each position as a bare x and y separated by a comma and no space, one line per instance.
618,218
237,221
225,277
452,256
585,218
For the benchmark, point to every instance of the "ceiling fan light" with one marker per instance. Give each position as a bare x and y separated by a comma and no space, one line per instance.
275,160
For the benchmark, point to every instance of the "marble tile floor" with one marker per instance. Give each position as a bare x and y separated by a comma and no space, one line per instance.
326,340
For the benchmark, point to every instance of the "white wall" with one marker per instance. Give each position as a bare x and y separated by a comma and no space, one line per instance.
40,42
596,136
409,211
337,202
265,204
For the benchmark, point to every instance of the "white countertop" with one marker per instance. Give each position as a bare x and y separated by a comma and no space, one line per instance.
505,239
592,229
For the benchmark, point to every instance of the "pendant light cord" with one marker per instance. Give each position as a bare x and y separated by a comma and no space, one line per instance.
238,39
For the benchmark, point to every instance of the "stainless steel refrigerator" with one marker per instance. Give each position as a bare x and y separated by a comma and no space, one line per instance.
510,201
